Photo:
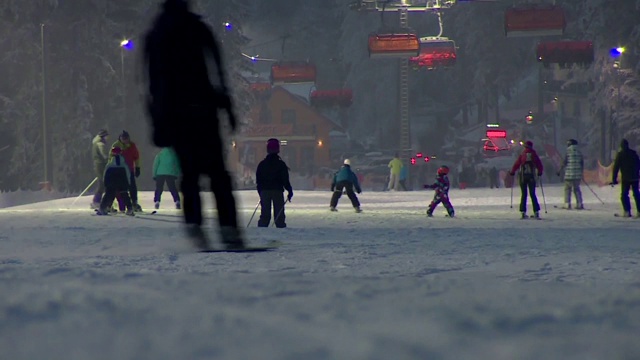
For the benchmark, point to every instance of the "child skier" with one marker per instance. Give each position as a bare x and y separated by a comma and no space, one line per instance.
166,169
346,180
441,186
272,178
116,179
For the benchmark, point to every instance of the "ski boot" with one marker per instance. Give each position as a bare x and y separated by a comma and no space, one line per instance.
130,212
231,238
333,208
357,209
197,236
536,214
137,207
523,215
94,206
157,205
102,211
566,206
429,213
579,207
178,206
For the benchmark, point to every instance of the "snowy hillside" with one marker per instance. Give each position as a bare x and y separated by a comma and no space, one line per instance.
384,284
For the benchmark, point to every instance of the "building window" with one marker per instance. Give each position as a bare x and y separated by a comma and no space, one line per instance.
289,116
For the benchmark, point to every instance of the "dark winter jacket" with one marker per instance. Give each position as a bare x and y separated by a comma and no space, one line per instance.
627,162
183,102
273,174
345,174
441,186
573,163
116,174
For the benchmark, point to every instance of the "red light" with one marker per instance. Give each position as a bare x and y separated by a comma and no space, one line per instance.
419,155
413,161
426,159
496,133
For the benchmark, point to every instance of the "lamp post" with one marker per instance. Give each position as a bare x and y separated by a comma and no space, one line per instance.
125,44
45,183
616,54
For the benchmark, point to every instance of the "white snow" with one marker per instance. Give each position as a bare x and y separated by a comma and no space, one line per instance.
384,284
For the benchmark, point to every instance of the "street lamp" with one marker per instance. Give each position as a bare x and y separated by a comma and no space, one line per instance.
616,54
127,45
45,184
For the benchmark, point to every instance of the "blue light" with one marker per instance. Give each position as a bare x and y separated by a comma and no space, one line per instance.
127,44
616,52
228,25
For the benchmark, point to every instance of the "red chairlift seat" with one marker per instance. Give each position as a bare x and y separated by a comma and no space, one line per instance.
328,98
565,53
293,72
393,45
435,52
534,21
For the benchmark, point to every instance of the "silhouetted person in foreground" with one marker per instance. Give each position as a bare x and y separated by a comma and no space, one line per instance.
183,105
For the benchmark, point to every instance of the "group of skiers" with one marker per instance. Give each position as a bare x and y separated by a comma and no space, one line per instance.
117,169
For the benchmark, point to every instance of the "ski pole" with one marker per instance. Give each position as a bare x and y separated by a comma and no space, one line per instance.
544,201
279,213
593,192
512,191
85,190
254,213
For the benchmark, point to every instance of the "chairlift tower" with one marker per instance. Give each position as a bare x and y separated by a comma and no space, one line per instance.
403,7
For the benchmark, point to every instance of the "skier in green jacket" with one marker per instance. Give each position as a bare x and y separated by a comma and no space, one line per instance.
166,169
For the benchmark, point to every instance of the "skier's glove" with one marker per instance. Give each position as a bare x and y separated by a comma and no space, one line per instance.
359,191
333,188
137,172
289,196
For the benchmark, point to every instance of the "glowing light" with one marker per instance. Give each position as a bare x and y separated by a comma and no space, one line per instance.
413,161
616,52
419,155
126,44
320,143
228,25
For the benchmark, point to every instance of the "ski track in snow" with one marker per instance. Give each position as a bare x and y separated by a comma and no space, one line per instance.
388,283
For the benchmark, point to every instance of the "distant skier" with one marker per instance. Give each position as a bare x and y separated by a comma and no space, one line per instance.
627,163
529,166
132,157
166,169
272,178
183,105
100,155
116,179
441,186
345,180
404,174
395,166
493,178
573,166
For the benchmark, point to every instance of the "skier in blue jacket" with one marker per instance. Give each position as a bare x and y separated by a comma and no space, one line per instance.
345,179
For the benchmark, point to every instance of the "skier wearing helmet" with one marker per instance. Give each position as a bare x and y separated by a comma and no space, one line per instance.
345,180
441,186
272,178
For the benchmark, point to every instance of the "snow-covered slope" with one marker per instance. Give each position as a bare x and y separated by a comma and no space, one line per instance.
384,284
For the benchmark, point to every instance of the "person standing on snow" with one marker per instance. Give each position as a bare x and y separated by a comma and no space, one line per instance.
573,166
132,158
183,106
529,166
395,167
627,163
272,178
100,156
116,180
166,169
441,186
345,180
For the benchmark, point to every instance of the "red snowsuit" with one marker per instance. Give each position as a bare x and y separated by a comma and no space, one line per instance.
441,196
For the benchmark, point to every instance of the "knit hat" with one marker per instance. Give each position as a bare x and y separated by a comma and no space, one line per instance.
103,132
273,146
528,144
624,144
347,162
572,142
124,135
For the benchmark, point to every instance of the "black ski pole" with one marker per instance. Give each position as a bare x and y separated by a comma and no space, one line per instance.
254,213
593,192
279,213
544,201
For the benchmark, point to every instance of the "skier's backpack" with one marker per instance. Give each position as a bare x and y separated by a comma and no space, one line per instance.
528,168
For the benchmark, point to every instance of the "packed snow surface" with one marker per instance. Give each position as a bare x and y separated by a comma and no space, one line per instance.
388,283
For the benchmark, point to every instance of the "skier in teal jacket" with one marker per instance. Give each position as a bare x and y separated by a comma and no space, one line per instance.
166,169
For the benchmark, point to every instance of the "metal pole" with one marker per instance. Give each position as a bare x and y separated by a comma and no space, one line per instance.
44,112
85,190
124,87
